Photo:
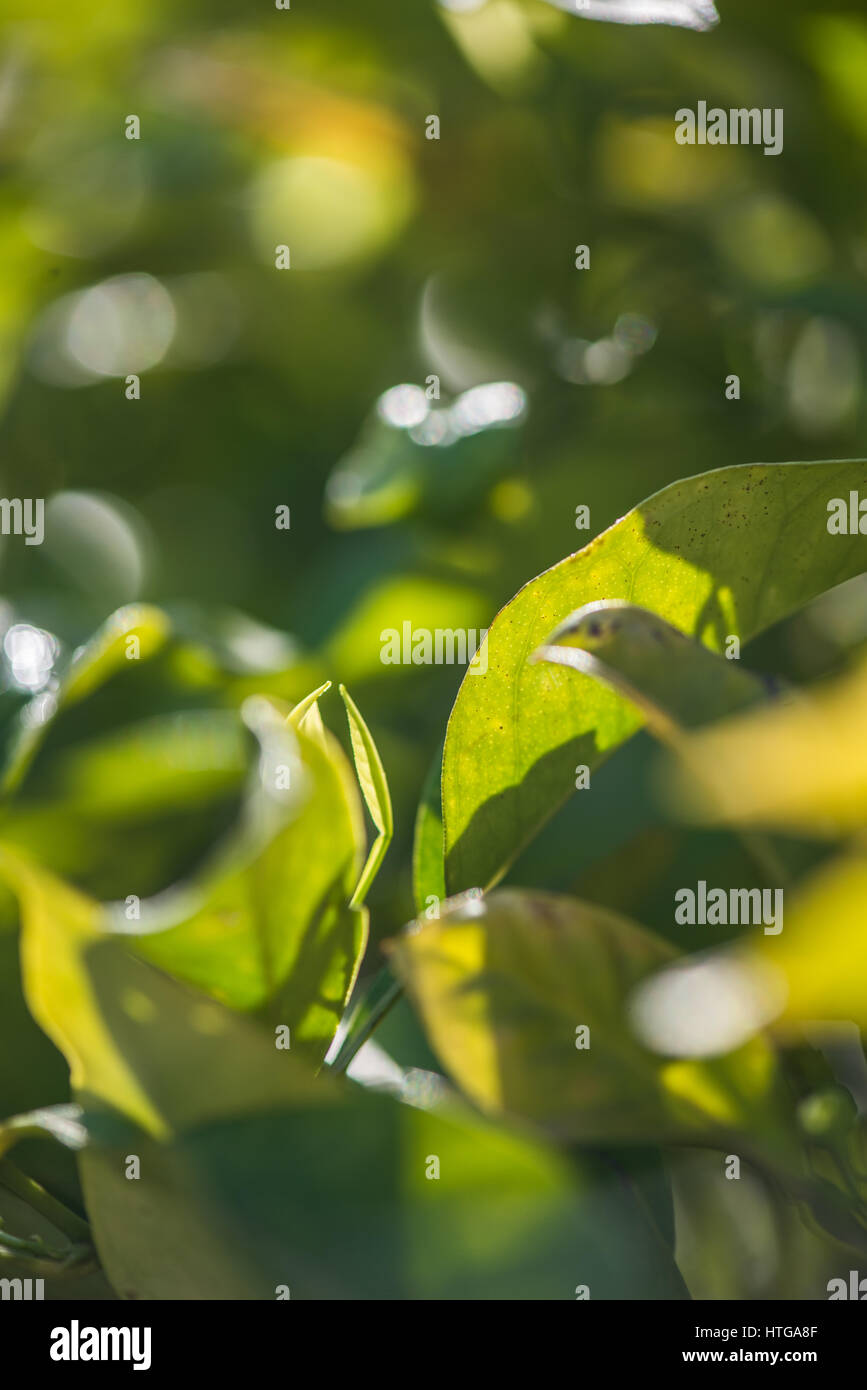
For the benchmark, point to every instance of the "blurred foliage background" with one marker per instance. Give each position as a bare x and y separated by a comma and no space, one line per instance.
409,257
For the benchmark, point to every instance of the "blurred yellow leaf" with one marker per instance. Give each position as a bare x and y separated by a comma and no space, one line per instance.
799,766
822,953
58,925
525,998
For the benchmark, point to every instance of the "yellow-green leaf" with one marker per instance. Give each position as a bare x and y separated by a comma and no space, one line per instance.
800,766
134,633
264,1176
723,554
57,925
525,999
821,954
374,789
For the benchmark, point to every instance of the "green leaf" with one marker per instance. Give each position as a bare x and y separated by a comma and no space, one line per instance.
45,1078
161,764
136,810
60,926
60,1123
700,554
674,681
134,633
266,926
504,985
305,715
356,647
275,1179
374,789
389,474
57,924
428,864
269,926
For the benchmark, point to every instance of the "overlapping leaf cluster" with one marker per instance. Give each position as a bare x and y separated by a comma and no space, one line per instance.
195,1012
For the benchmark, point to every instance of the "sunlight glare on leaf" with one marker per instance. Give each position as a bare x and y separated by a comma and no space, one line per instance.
686,14
30,654
704,1008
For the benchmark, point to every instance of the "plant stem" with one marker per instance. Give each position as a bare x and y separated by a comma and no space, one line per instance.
31,1192
366,1017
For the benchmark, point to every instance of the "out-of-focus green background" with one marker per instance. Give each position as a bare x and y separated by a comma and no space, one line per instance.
409,257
